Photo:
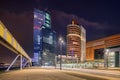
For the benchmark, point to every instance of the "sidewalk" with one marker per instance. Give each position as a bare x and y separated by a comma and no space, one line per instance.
114,72
116,69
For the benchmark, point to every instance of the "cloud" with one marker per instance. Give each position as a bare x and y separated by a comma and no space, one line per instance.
94,30
64,19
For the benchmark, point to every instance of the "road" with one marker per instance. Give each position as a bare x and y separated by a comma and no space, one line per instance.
51,74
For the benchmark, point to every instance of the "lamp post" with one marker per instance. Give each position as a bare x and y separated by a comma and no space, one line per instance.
61,43
106,58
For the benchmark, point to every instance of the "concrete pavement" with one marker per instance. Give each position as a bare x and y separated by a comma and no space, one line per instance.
107,72
51,74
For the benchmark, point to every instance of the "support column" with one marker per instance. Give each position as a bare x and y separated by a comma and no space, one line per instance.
119,58
61,56
55,62
106,58
12,63
20,62
77,62
25,64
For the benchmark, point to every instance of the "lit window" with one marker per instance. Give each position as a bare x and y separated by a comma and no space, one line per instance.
47,16
35,16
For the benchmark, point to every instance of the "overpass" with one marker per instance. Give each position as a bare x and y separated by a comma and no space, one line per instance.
8,41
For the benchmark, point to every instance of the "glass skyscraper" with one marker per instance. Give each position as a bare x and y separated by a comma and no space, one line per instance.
44,39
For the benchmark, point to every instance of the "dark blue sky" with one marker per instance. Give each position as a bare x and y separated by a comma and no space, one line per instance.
100,18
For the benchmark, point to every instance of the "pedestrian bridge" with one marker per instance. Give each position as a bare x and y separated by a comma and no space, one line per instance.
8,41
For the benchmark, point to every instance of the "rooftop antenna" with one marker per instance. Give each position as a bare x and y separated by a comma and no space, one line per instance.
73,21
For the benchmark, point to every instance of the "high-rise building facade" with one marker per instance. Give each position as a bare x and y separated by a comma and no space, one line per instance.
44,38
76,41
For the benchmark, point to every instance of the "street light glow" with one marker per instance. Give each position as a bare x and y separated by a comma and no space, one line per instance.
107,50
61,40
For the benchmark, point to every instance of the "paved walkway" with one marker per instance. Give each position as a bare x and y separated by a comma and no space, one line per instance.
109,73
51,74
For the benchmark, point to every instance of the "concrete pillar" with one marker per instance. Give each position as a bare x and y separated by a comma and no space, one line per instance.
20,62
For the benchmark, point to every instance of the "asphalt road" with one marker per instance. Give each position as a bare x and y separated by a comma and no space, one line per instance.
51,74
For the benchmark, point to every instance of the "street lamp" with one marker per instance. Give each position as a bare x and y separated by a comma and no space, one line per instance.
61,43
106,58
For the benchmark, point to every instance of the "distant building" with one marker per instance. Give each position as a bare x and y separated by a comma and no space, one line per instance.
104,51
76,41
44,39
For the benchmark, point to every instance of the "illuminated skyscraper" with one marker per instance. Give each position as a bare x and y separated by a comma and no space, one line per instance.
76,41
44,38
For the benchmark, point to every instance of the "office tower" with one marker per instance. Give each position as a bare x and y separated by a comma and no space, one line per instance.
76,41
44,38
